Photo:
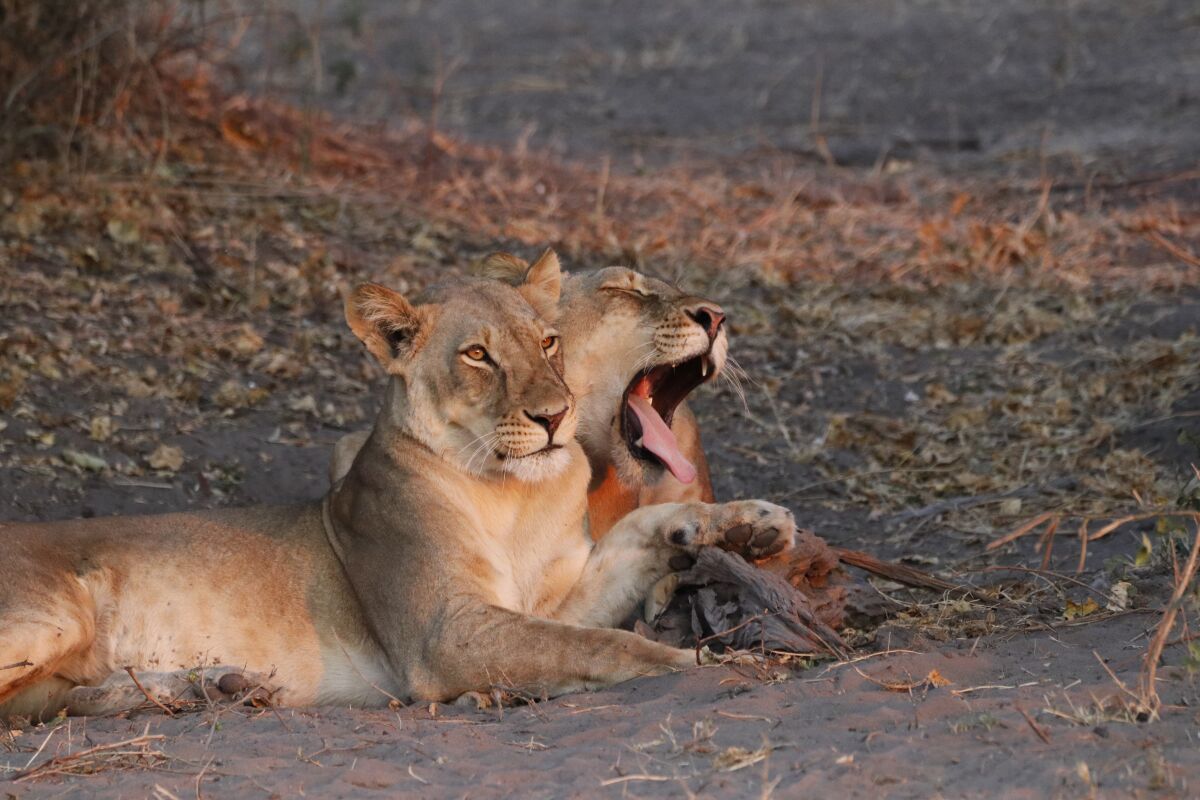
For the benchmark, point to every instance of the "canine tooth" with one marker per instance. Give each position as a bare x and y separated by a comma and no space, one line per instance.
703,366
638,442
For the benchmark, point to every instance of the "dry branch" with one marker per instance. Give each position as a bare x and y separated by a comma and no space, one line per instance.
1147,689
900,573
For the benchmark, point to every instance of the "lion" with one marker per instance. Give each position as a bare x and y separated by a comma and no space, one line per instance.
637,346
452,557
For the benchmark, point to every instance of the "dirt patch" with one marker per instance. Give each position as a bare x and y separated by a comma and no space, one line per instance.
713,732
1098,89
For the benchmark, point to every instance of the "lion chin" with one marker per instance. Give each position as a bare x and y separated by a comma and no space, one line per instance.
537,467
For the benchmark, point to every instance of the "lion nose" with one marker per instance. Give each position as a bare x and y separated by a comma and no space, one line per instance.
549,421
708,316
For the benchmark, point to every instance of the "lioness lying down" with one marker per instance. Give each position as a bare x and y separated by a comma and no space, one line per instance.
427,572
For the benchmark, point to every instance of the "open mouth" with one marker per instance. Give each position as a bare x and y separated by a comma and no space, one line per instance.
650,403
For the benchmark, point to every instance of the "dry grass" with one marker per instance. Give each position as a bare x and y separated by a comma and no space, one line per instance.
137,752
766,215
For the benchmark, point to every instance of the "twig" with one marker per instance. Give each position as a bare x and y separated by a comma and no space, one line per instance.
1147,690
1022,530
900,573
17,665
756,618
837,664
970,689
931,681
1182,254
628,778
1113,677
1038,729
142,689
56,764
41,747
1048,542
1083,543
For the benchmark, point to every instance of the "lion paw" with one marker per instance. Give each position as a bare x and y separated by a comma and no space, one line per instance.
230,684
754,529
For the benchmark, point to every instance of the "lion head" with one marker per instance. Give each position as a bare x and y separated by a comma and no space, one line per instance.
476,371
635,347
660,342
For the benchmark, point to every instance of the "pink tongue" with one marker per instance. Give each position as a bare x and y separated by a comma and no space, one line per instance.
658,439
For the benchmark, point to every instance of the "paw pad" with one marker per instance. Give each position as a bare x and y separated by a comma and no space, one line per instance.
681,561
738,535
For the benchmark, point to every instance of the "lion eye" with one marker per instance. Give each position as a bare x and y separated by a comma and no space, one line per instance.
626,289
550,344
476,353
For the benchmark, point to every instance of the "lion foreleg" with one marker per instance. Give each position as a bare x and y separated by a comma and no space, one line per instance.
651,542
488,648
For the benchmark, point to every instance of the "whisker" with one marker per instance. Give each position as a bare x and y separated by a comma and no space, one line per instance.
736,388
487,453
489,441
473,441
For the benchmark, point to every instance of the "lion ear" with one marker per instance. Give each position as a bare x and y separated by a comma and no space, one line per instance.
385,322
503,267
543,285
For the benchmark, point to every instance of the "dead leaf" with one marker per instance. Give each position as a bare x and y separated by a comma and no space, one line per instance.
84,460
48,367
137,388
101,428
1076,610
936,680
10,390
167,458
230,394
1119,596
306,404
244,342
123,231
44,438
735,758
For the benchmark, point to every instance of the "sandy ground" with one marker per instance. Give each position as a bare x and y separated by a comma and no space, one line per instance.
870,405
1105,87
727,732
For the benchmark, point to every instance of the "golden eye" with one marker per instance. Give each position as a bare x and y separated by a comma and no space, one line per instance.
476,353
549,343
